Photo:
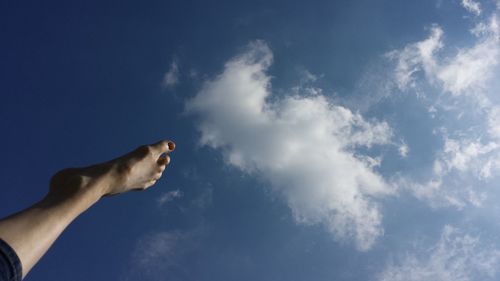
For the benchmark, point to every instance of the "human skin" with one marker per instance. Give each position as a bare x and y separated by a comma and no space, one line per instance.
32,231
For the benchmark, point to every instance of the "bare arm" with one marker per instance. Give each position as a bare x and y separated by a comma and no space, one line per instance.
72,191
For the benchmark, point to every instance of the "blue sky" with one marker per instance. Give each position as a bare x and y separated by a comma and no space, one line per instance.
318,140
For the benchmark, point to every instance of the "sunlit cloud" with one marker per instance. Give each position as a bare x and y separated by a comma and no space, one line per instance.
459,93
304,145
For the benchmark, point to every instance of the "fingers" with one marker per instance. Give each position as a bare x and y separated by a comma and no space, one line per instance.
163,146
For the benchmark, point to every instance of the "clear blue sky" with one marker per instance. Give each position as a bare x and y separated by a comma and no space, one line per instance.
316,140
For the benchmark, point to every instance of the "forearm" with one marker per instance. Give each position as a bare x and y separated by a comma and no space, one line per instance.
32,231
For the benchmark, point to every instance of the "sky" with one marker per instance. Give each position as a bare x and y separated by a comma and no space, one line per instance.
316,140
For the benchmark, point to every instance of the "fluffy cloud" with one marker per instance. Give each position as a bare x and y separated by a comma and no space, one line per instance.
455,257
305,146
171,78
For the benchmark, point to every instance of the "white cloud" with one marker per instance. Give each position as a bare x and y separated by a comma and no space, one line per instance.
171,78
169,196
472,6
461,85
304,146
466,72
455,257
459,171
461,154
471,68
416,57
403,150
494,122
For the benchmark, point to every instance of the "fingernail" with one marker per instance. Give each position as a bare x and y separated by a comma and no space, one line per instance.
171,145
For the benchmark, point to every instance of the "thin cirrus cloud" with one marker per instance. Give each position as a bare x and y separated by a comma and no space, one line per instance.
472,6
169,197
305,146
161,254
464,73
456,256
462,98
171,78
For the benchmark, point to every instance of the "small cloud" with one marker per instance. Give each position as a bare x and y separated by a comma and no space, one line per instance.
171,78
472,6
169,196
307,76
403,150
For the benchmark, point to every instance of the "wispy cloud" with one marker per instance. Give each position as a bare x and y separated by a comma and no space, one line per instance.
163,253
417,57
460,96
304,145
169,196
466,72
472,6
171,78
456,256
